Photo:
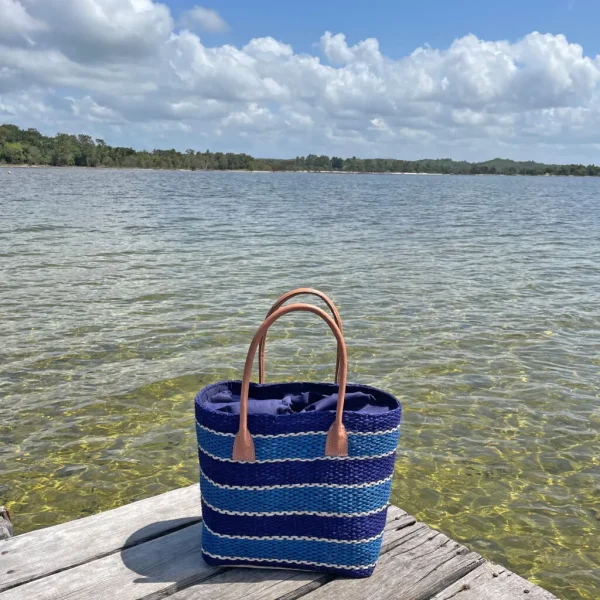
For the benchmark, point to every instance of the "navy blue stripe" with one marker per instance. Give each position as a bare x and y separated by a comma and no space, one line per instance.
348,472
340,528
298,422
284,565
325,552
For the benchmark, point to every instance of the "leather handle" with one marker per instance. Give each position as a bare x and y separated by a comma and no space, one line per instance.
337,438
282,300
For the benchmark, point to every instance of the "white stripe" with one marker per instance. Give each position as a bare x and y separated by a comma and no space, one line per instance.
291,538
294,512
299,433
285,486
276,460
295,562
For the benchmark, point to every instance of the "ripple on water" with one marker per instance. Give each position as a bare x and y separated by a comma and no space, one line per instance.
474,299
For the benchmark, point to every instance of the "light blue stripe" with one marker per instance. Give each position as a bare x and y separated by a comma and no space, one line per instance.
349,555
312,498
307,446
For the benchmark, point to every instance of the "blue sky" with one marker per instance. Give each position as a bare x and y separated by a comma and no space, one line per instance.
402,26
464,79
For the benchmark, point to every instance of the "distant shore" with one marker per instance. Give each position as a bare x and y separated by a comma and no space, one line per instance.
22,148
320,172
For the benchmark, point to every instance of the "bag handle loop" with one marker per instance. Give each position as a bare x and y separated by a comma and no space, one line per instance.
282,300
337,438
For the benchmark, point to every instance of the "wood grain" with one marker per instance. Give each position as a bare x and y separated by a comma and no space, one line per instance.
150,570
46,551
493,582
421,563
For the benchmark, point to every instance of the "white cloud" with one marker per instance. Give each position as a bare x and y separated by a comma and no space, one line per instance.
337,50
295,120
23,105
379,124
253,118
87,108
122,68
16,22
466,116
267,48
206,18
101,30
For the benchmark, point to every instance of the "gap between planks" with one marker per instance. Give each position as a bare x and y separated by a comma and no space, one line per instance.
54,549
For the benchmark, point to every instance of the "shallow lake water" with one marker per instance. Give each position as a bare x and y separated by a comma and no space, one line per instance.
476,300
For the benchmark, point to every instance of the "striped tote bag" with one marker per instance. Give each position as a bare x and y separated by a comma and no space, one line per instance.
295,475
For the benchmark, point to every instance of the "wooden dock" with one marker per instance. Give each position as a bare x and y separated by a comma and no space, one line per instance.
151,549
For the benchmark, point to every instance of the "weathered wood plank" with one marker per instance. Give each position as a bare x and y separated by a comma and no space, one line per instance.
150,570
253,584
493,582
46,551
422,563
161,567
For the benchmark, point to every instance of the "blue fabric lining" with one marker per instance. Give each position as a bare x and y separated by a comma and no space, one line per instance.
366,409
228,402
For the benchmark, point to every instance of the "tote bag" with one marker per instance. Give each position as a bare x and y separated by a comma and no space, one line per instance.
295,475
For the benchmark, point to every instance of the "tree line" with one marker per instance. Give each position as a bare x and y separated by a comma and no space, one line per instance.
30,147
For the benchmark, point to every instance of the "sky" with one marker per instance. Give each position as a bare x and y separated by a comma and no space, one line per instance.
467,79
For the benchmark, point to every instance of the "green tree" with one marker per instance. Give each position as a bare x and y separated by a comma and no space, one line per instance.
29,146
64,150
322,163
85,152
12,153
34,156
310,161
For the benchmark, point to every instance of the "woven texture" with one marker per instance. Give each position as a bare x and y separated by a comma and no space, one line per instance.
294,507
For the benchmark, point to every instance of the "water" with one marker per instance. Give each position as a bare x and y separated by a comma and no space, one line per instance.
474,299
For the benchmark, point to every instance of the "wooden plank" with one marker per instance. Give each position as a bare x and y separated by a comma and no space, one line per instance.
423,563
150,570
161,567
254,584
493,582
46,551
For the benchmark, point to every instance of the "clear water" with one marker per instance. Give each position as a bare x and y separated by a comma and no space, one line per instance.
474,299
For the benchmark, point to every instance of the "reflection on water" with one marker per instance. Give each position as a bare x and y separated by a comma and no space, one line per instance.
474,299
